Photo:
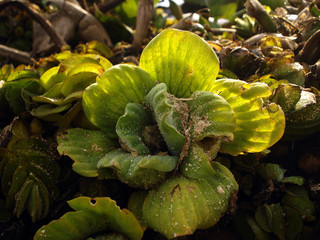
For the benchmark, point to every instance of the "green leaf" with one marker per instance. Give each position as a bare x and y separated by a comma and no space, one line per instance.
85,148
127,11
222,8
71,63
21,74
198,164
258,126
52,96
116,28
135,204
287,96
303,206
181,60
99,47
278,221
77,82
304,119
181,205
167,112
18,93
294,180
86,67
263,216
130,127
105,63
138,171
105,101
211,116
51,77
248,228
294,223
46,110
91,215
270,171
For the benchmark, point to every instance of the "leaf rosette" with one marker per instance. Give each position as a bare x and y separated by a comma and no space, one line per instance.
171,118
29,173
52,89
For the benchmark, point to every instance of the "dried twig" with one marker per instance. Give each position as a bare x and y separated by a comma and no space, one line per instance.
16,55
59,42
145,9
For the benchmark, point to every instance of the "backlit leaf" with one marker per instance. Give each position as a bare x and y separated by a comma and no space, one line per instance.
258,126
181,60
105,101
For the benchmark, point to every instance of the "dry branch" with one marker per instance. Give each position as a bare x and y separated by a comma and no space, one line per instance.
15,55
144,15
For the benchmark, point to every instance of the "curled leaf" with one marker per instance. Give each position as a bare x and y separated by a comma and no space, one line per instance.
91,216
138,171
167,111
130,128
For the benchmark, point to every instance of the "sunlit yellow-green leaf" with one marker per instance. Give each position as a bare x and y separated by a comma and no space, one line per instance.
258,125
181,60
105,101
51,77
77,82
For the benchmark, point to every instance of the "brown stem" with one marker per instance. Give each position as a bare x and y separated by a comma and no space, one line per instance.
144,15
16,55
59,42
311,50
106,6
256,10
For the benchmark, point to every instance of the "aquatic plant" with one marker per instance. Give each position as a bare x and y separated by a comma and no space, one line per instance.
161,126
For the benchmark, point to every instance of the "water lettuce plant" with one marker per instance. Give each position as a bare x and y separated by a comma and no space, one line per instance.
29,170
161,125
52,90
